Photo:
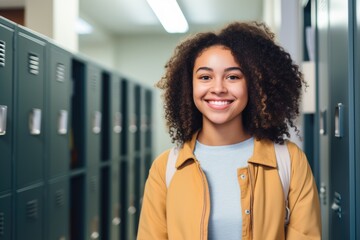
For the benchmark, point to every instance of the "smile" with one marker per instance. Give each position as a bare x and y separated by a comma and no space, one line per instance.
220,103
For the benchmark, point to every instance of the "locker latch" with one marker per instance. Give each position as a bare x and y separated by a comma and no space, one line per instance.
3,117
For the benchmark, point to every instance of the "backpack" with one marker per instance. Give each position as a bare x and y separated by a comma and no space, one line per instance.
282,159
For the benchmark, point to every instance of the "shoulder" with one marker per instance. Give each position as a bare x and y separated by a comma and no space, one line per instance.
297,156
160,161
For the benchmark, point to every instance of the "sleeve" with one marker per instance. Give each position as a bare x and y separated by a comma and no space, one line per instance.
152,223
305,217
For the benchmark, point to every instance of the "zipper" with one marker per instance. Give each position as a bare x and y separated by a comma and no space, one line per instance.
202,232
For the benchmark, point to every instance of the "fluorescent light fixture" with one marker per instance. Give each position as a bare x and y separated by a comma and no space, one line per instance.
170,16
83,27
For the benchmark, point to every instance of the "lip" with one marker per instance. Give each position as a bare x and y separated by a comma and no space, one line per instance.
219,104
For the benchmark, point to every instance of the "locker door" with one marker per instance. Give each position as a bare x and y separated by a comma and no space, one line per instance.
128,147
6,102
324,111
57,215
342,128
115,203
58,109
29,214
93,115
29,115
5,217
115,118
92,227
357,114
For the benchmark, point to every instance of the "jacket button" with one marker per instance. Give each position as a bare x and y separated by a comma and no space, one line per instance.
243,176
247,211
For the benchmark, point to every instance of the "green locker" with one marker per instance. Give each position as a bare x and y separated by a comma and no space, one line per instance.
29,135
128,168
77,207
110,207
29,214
110,152
58,111
111,117
57,214
6,101
93,114
5,217
77,116
92,200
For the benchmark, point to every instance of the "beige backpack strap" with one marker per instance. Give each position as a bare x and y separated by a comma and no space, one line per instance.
170,166
284,169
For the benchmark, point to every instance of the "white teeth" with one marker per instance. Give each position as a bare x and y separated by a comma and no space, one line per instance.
219,103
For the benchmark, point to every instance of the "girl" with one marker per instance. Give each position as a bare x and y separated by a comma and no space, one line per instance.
229,96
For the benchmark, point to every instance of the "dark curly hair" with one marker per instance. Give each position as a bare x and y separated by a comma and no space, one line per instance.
274,82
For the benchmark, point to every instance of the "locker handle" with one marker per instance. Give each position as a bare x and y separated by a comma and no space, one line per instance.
132,127
96,122
339,120
35,121
63,122
3,117
116,221
322,123
117,122
94,235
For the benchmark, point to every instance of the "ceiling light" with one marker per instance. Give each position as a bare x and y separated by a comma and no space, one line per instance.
83,27
170,16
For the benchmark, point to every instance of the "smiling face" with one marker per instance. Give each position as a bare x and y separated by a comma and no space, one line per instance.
219,88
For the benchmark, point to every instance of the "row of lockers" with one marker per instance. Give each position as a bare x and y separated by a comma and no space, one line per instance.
75,143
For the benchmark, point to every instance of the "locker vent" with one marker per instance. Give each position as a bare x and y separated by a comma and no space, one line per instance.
93,185
32,209
2,224
2,54
34,64
93,81
59,198
60,72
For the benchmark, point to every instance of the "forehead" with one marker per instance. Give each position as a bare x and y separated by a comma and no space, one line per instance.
216,54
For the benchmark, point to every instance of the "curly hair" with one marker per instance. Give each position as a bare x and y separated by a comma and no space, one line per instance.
274,82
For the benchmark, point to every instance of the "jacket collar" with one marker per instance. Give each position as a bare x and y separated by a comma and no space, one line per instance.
264,153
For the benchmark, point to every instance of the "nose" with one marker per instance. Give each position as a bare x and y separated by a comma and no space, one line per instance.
218,86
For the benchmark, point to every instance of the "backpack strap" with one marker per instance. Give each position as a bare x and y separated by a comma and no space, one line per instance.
284,169
170,166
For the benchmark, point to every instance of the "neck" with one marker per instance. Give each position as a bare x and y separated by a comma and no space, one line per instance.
213,135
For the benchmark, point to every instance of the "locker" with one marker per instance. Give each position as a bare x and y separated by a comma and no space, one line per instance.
58,111
111,117
57,214
323,111
93,114
78,119
110,206
357,114
129,140
5,217
92,199
105,203
77,207
115,202
6,101
341,115
29,213
29,126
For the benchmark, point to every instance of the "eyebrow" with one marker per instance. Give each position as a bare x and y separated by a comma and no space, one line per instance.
226,70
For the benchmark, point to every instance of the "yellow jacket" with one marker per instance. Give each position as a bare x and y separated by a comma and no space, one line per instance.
181,211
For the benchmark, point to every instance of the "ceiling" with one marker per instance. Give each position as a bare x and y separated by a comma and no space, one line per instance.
117,17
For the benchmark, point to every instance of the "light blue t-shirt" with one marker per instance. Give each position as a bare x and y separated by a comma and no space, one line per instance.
220,164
